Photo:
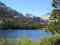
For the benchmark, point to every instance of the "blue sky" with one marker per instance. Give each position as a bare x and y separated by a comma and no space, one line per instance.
35,7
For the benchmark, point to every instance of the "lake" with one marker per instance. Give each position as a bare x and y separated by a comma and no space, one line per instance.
30,34
24,33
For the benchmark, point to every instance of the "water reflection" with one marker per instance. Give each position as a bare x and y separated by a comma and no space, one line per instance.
13,36
24,33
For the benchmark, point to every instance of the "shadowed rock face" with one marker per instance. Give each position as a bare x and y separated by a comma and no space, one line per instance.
57,42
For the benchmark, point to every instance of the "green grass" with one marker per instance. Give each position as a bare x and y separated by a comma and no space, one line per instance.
27,42
50,40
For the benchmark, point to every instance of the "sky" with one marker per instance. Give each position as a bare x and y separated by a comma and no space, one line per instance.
35,7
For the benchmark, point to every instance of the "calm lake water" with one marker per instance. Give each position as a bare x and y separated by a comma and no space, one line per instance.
33,34
13,37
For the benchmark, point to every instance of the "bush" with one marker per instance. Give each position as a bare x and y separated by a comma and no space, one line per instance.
50,40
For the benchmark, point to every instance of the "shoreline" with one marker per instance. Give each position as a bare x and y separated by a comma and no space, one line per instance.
32,29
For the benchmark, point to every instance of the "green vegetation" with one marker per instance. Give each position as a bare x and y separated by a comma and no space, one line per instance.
54,24
28,42
38,26
50,40
54,27
13,24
